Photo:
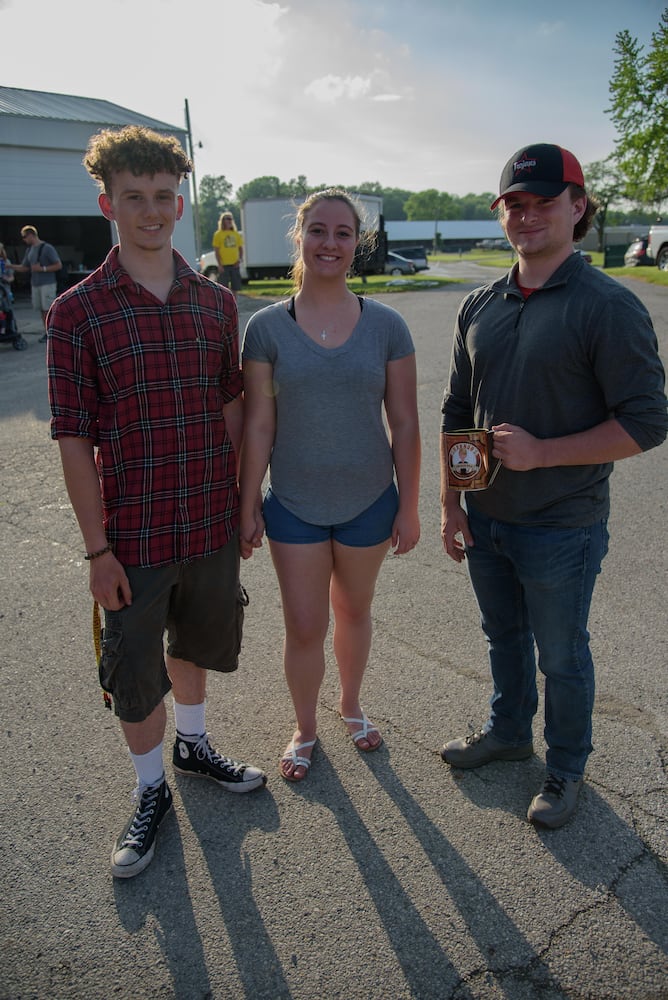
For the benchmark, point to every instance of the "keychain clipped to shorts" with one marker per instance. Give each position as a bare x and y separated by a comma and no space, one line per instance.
97,642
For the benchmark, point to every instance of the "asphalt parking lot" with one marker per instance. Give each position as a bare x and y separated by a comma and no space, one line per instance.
385,876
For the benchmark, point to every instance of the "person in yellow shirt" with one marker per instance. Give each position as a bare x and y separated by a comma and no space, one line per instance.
228,244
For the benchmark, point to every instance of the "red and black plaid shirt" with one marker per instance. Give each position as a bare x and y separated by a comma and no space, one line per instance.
146,382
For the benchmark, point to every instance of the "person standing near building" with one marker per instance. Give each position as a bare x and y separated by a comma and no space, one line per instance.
228,245
42,262
145,394
560,361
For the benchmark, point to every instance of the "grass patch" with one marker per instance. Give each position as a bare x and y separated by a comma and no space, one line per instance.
374,284
488,258
649,275
505,258
386,284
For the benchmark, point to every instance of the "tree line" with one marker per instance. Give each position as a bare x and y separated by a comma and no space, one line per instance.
215,195
630,184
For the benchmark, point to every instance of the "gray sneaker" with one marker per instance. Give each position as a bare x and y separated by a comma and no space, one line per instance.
480,748
555,803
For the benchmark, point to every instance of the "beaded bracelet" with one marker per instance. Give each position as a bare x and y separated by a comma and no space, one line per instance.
100,552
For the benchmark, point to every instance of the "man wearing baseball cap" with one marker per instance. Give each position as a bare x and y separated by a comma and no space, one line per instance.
560,361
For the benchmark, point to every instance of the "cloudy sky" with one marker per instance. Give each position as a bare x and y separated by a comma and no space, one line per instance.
413,94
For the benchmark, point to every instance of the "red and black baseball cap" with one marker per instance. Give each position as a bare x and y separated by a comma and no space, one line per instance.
542,169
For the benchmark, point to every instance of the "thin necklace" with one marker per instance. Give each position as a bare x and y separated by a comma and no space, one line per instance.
323,334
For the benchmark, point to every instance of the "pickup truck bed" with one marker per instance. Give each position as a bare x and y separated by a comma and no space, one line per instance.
658,246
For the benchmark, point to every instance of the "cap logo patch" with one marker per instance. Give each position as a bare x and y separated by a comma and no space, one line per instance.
524,164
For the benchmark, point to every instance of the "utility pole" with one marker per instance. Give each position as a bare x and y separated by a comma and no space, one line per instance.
191,153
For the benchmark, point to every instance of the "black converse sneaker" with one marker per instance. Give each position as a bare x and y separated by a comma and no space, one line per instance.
199,759
134,849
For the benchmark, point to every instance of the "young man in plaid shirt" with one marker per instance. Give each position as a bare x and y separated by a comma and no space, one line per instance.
145,393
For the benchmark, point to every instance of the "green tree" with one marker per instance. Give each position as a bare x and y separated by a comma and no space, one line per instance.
263,187
298,187
606,183
430,205
367,187
214,196
639,111
394,200
638,217
476,206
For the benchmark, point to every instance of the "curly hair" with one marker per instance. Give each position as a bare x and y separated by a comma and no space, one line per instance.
137,149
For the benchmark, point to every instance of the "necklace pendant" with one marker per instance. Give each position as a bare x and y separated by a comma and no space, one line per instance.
323,334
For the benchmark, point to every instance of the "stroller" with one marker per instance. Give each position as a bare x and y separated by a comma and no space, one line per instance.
9,331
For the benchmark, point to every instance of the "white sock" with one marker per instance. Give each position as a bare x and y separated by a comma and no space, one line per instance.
149,767
190,719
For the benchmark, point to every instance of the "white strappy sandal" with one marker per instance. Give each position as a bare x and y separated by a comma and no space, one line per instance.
362,733
293,757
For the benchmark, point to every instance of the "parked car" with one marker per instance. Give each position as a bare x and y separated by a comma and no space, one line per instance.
396,264
208,265
636,254
657,248
417,254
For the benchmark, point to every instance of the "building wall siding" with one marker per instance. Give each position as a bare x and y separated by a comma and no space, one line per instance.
41,169
45,182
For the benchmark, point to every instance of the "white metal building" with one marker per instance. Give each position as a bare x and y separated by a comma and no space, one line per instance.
43,182
448,234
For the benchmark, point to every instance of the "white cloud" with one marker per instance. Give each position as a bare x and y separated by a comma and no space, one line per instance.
411,95
329,89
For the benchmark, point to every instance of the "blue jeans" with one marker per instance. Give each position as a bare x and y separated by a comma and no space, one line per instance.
534,586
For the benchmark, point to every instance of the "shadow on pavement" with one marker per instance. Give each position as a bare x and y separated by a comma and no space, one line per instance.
597,847
144,897
221,833
420,955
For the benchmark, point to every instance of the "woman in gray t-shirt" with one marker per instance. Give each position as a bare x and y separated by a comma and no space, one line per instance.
321,372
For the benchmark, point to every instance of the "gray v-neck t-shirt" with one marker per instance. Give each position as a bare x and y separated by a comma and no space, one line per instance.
331,457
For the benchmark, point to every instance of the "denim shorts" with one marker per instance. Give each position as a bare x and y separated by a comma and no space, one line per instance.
200,607
371,527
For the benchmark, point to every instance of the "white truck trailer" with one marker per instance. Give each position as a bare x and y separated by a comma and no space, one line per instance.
265,224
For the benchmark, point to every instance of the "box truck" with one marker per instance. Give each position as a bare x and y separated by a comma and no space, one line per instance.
265,224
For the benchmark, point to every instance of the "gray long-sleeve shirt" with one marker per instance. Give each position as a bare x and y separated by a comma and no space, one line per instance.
578,351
